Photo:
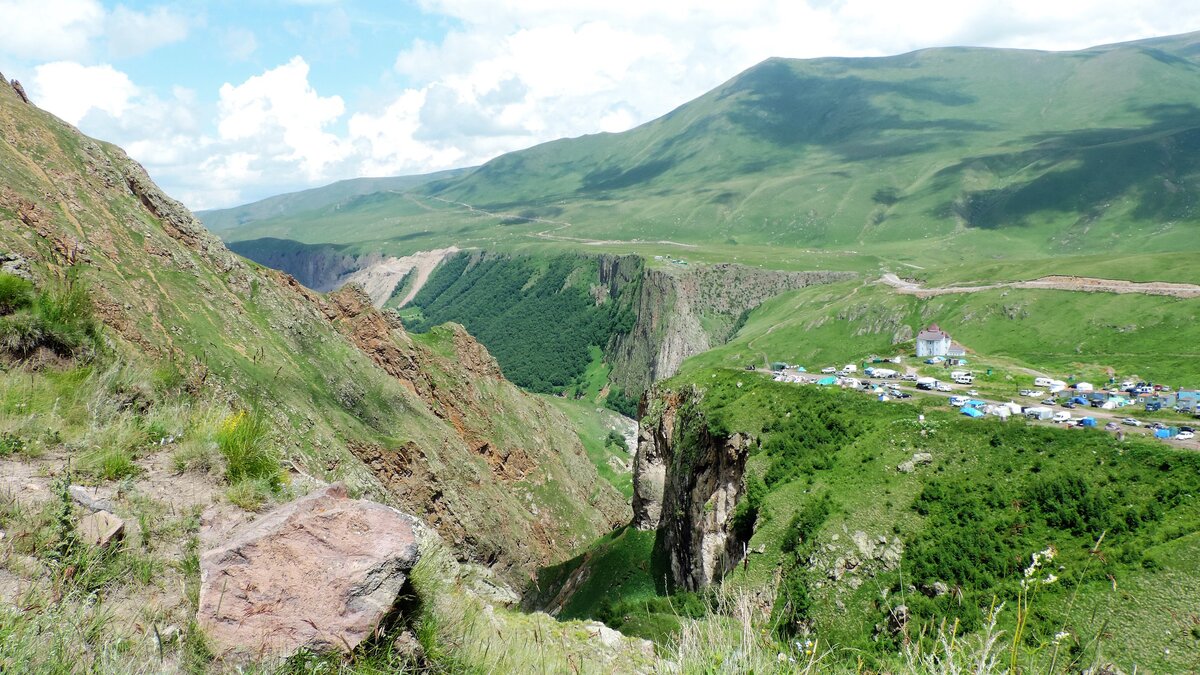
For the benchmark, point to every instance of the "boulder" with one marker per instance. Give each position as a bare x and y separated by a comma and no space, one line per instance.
100,529
318,574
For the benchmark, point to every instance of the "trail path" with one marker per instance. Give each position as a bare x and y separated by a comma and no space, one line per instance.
1055,282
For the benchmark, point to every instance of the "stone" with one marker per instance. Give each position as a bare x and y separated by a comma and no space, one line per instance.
906,467
922,458
318,574
80,495
407,647
100,529
898,619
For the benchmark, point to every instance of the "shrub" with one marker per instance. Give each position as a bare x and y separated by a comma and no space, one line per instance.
15,293
242,440
59,317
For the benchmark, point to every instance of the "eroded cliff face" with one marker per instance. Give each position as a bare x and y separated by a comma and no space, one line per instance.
681,313
321,267
688,478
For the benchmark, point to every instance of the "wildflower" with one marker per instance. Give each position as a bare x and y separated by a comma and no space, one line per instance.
1060,636
781,658
1050,578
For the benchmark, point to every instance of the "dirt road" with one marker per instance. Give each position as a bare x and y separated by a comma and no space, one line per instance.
1055,283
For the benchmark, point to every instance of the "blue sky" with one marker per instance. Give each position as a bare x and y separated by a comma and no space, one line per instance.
225,101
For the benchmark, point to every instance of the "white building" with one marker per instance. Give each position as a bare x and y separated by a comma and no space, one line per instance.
933,341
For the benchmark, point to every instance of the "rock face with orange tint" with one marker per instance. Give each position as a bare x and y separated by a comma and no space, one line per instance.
318,574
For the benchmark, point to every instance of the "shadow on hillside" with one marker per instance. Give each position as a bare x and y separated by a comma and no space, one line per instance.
1086,171
789,108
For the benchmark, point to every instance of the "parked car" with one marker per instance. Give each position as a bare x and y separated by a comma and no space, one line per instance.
972,392
901,395
909,377
1185,436
1050,401
1158,425
829,371
1131,422
1112,426
1187,429
942,386
1068,405
1061,416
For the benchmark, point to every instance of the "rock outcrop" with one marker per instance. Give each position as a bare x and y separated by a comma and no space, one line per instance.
681,313
689,476
318,574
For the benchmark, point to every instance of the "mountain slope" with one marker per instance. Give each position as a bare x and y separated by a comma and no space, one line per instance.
341,193
933,157
428,424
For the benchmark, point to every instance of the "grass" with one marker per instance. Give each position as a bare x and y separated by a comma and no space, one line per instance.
1055,332
58,317
594,426
926,160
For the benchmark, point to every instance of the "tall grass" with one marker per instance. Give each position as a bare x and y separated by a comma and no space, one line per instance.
58,317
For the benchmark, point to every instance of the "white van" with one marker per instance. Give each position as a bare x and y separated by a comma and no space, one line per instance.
1043,382
1062,416
964,378
850,368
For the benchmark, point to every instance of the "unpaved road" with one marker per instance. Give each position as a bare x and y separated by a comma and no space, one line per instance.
1055,283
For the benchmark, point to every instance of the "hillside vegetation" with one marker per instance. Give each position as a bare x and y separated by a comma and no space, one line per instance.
931,158
1059,332
1066,549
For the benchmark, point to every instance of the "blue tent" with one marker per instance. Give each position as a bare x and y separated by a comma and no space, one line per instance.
970,412
801,369
1087,422
1162,433
826,381
1080,400
976,403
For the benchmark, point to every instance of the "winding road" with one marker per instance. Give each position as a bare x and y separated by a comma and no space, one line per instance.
1054,283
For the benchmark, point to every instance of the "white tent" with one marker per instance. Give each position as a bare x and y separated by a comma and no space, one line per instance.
1084,386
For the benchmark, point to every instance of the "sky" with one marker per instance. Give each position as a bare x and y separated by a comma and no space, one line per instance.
228,101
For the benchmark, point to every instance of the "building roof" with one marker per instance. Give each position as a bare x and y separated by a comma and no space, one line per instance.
933,333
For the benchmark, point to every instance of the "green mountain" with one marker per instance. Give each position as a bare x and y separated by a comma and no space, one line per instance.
935,157
342,193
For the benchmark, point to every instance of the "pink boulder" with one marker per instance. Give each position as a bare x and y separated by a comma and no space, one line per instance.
318,574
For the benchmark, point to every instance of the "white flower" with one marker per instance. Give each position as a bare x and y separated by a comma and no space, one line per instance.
1050,579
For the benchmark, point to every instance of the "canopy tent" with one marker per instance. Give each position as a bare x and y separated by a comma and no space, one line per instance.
826,381
970,412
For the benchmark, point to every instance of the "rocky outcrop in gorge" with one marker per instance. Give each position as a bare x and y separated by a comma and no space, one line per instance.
688,477
681,313
321,267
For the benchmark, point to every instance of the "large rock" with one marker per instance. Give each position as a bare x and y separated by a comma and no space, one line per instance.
318,574
100,529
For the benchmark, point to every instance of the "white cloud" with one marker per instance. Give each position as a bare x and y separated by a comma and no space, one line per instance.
70,90
49,29
238,44
133,33
281,110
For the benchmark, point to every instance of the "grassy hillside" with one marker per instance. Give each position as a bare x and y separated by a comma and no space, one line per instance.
1052,331
339,194
340,391
934,158
1121,520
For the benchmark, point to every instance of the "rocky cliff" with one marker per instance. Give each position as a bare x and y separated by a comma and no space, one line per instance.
688,479
321,267
681,313
428,425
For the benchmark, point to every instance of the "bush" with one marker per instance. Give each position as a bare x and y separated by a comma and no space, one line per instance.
59,318
15,293
242,440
